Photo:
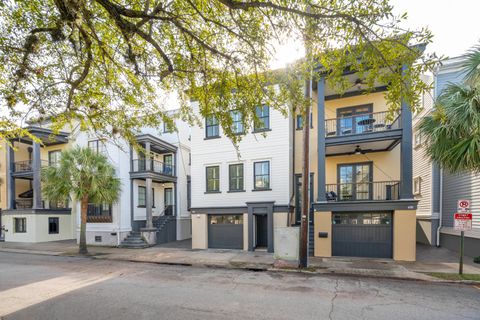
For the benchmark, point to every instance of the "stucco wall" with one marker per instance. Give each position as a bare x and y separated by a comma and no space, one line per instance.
200,231
386,165
245,231
377,99
323,223
404,235
37,228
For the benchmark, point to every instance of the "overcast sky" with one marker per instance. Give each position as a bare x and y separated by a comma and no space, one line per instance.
455,25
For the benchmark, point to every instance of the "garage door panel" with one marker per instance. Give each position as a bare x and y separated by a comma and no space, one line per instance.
225,235
362,240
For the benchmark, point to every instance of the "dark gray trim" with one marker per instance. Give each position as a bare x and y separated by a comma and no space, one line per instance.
36,211
435,187
239,209
234,191
155,176
47,136
321,141
355,93
206,127
361,205
369,105
212,137
10,179
395,134
259,208
354,174
406,157
144,138
269,176
36,183
206,179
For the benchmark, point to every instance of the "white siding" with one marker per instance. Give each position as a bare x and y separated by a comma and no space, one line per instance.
275,147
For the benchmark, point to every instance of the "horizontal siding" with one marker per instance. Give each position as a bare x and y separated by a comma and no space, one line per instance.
460,186
275,147
443,79
422,167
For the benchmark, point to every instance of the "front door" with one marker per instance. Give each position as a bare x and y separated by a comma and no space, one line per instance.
355,181
350,119
262,231
168,195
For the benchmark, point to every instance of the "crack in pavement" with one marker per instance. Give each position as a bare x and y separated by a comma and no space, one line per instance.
332,301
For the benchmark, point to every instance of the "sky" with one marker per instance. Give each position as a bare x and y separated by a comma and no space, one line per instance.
454,23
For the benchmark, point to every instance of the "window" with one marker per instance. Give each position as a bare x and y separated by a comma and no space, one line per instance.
53,225
263,115
213,179
142,197
97,146
166,129
104,209
417,139
236,177
211,127
261,175
300,121
20,225
226,219
168,164
54,158
58,204
417,185
237,122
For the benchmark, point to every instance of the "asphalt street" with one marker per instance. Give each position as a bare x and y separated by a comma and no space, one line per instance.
48,287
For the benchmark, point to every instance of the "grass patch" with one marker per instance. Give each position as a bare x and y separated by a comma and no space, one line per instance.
455,276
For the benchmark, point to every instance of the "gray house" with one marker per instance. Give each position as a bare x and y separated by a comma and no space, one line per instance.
438,190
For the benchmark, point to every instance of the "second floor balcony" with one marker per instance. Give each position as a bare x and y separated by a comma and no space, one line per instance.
363,191
26,166
157,170
363,123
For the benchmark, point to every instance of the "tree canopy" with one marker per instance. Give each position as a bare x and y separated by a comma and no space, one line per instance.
452,130
106,63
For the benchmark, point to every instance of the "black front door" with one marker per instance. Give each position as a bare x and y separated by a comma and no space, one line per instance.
262,231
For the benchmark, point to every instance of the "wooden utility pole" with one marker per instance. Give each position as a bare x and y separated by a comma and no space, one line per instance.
303,263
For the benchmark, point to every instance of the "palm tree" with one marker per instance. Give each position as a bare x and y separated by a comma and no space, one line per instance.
452,130
84,175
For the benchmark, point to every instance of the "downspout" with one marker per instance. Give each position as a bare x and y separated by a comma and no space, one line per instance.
441,208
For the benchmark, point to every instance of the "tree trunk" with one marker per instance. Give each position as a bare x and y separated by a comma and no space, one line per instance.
82,248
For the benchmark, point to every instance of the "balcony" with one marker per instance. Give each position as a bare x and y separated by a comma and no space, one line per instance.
25,167
377,131
363,191
158,171
361,124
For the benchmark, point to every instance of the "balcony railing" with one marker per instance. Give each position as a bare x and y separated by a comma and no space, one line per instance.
24,203
363,191
99,213
26,165
362,123
140,165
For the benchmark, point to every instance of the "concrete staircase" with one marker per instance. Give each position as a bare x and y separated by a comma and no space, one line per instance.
134,241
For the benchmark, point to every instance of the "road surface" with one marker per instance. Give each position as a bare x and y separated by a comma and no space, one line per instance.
48,287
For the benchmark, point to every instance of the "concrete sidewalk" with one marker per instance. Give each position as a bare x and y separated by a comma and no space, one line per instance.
428,259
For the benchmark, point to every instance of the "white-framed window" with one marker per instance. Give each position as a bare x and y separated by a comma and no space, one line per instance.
417,185
417,139
97,146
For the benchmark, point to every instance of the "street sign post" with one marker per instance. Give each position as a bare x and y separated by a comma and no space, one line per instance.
462,222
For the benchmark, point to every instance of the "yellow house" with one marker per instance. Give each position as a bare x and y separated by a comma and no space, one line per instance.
361,175
26,217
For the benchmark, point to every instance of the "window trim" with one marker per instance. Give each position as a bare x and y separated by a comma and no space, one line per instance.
51,152
153,197
206,179
267,128
57,223
97,147
242,189
211,125
235,122
419,191
416,144
15,229
255,175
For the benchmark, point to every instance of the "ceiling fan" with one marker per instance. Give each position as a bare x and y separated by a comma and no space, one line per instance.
358,83
359,150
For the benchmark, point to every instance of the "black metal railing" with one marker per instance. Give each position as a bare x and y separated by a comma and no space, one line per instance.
381,190
24,203
26,165
97,213
140,165
362,123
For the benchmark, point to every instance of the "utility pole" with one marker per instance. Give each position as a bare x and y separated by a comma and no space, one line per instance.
305,213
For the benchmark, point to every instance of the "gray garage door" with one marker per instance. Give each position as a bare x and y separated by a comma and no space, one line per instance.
362,235
225,231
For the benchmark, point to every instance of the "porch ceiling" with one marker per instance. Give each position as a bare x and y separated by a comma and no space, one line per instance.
373,146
